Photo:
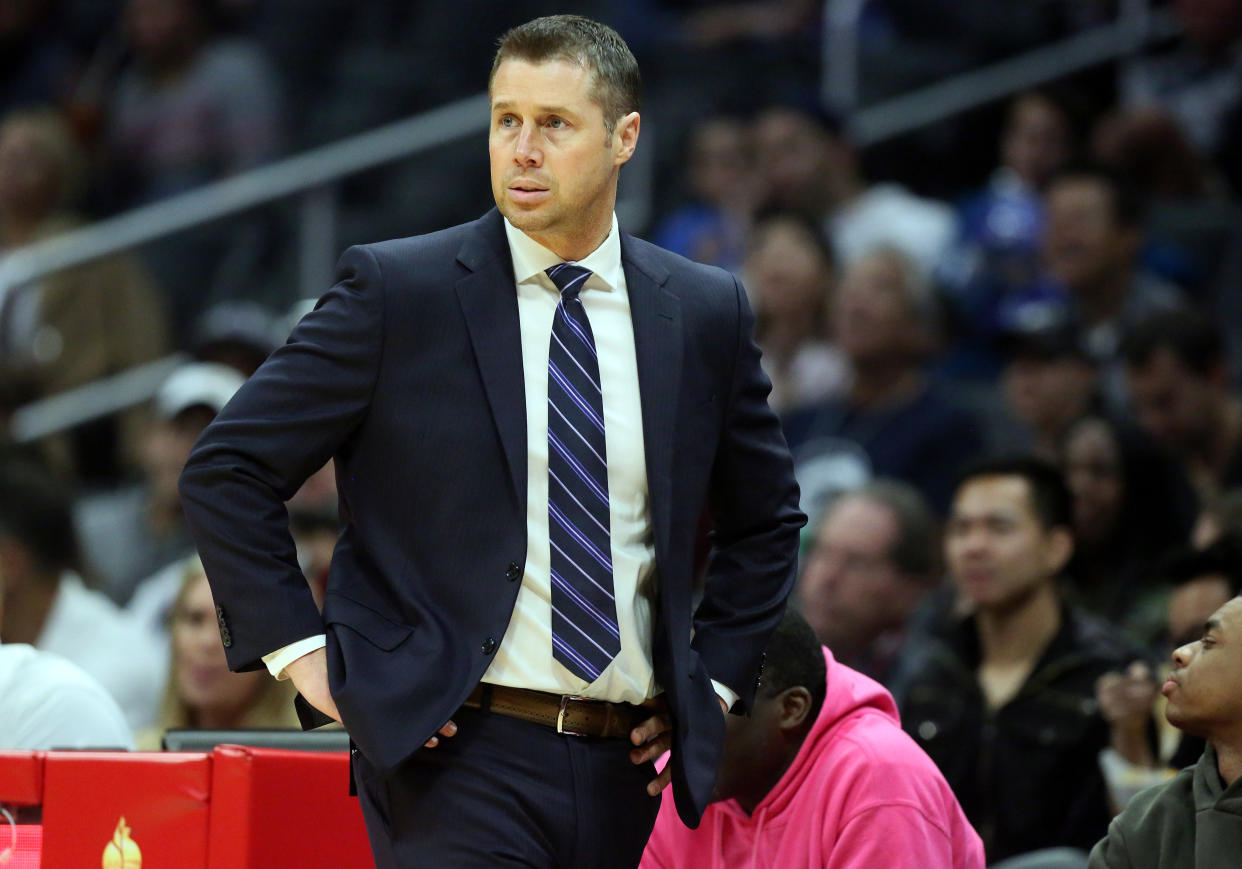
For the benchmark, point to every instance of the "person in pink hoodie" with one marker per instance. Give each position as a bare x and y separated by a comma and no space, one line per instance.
820,775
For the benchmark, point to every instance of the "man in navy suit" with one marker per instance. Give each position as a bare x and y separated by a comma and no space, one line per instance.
529,415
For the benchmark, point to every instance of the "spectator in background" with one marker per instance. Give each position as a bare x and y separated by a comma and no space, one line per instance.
237,333
1178,375
789,279
724,189
997,252
1004,700
809,167
132,533
1203,581
37,66
911,430
50,702
191,108
1188,213
1049,382
76,325
1219,516
874,557
1132,505
1195,820
201,692
1091,245
47,605
1198,80
819,774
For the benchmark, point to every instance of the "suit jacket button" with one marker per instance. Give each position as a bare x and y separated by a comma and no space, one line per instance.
489,646
513,572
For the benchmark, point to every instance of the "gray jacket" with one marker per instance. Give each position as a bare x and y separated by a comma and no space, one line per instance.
1191,821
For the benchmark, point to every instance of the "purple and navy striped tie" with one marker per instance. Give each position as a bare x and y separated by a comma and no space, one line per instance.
585,637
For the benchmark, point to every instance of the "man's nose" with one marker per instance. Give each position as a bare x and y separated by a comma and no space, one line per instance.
1183,654
527,152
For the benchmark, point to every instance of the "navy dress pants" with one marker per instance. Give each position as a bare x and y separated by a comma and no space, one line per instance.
505,792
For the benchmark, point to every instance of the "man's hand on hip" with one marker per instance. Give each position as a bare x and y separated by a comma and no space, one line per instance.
654,737
310,676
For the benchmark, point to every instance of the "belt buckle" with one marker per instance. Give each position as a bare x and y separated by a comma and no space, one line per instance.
560,716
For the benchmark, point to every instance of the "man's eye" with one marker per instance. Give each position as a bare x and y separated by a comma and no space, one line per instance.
507,121
556,123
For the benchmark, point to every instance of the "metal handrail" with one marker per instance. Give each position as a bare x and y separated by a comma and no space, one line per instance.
306,173
1136,25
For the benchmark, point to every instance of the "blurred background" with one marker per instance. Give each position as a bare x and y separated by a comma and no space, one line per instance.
965,228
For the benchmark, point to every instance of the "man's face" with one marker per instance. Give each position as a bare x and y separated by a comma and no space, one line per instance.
996,548
851,589
554,166
1205,687
29,182
1095,477
1174,404
796,159
1084,244
871,319
749,744
788,276
1049,394
1036,140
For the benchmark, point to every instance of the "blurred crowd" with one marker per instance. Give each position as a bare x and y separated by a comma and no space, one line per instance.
1055,279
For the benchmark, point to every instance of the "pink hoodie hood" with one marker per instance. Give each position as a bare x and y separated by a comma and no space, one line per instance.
859,793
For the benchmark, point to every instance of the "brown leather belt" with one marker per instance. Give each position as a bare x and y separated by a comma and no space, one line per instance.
567,714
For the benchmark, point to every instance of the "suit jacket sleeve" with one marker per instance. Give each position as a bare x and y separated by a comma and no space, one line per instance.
294,414
753,501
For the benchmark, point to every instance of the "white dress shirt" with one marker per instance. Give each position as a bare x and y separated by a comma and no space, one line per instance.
524,658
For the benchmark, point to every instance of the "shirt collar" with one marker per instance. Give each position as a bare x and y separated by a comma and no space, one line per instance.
531,259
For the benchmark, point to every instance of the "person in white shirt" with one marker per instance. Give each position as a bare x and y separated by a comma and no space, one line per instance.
47,702
47,605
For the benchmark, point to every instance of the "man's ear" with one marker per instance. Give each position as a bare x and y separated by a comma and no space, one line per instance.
626,137
14,563
1061,547
795,706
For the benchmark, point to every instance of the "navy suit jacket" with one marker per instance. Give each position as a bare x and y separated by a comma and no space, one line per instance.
409,373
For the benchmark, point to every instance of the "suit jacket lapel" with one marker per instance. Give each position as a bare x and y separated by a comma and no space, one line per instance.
656,315
488,300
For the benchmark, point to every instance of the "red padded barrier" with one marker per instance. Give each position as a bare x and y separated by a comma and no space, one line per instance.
21,777
273,808
163,799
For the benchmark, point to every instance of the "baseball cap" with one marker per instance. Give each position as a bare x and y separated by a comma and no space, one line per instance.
194,384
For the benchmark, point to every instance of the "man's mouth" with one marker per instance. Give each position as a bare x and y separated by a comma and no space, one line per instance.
525,192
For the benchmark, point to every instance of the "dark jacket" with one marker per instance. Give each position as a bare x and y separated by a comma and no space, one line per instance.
1191,821
409,374
1026,774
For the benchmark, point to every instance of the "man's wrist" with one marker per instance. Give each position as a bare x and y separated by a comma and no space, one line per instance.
280,659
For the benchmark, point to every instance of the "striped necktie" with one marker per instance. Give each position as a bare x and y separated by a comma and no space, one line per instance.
585,636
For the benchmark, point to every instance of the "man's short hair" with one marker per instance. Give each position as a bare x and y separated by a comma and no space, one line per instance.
916,546
1126,204
616,85
1221,558
795,658
1050,496
1190,336
36,511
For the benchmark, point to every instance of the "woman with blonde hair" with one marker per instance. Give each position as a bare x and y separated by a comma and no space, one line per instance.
202,693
